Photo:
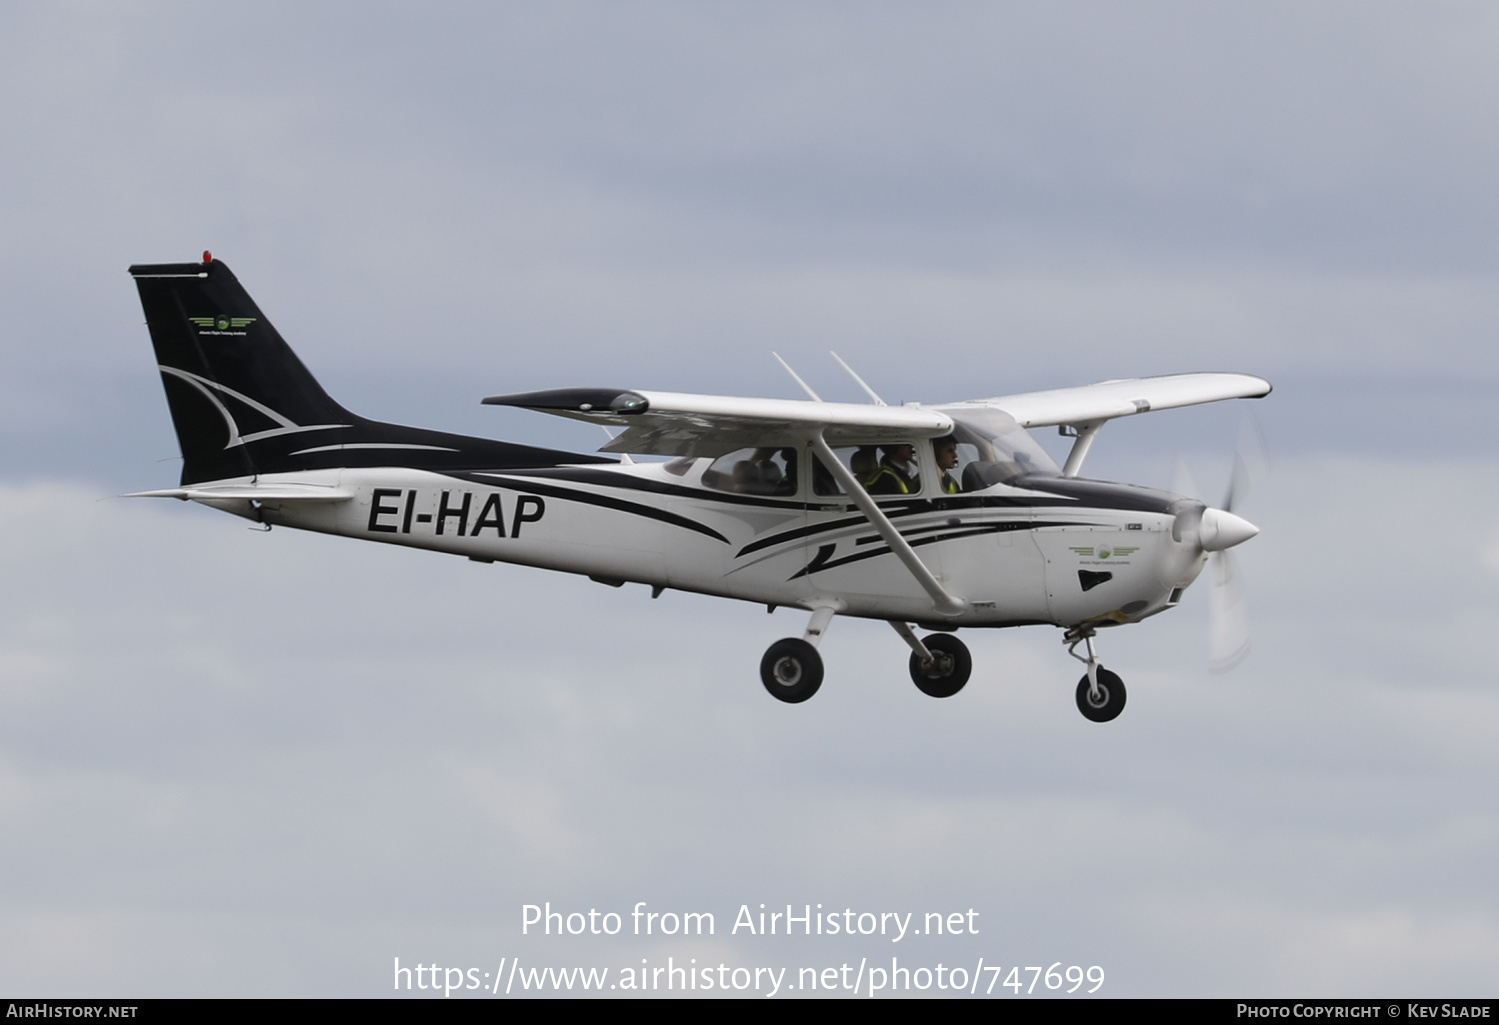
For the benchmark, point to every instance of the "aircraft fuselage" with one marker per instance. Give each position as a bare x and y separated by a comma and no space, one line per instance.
1017,555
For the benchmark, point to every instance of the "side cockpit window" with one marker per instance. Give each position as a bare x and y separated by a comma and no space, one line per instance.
769,472
881,469
991,448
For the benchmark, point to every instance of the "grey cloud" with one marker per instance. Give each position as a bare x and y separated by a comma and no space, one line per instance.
274,762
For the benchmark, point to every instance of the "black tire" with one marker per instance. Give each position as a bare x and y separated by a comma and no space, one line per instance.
949,669
791,670
1112,702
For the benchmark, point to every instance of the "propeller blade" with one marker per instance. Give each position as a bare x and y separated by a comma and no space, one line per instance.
1219,530
1251,462
1238,484
1228,616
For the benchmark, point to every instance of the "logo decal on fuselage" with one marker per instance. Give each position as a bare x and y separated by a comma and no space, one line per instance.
1102,553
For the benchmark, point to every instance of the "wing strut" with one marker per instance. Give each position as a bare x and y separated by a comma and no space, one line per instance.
805,386
867,390
1084,433
946,604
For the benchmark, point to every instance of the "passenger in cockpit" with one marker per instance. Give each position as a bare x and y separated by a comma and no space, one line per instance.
896,473
786,484
762,475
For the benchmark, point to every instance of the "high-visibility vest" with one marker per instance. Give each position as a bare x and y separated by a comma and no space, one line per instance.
902,485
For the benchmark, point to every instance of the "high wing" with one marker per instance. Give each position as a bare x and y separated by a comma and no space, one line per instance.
1095,403
680,424
1087,408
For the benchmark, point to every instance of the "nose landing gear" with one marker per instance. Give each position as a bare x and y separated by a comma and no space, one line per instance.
1100,693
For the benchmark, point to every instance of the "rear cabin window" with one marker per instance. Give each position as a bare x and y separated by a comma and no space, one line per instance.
770,472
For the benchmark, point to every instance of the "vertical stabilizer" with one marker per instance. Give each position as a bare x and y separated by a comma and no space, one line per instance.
230,378
244,404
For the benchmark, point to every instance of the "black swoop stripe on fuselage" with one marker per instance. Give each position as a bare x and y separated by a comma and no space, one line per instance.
531,486
1101,495
605,478
824,560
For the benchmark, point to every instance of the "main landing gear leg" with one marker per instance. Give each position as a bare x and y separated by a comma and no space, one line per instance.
940,665
1100,693
792,669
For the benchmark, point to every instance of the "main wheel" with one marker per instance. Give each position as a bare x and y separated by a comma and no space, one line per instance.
1110,700
791,670
948,670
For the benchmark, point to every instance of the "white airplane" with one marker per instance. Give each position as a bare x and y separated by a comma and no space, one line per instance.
941,517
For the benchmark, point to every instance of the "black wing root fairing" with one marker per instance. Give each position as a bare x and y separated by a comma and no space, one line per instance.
243,403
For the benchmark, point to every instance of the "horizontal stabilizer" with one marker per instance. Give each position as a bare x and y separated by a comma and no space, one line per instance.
252,493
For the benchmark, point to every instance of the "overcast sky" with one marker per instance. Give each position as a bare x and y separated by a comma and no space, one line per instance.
235,763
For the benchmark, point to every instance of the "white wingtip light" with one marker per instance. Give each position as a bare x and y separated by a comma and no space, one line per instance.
1220,530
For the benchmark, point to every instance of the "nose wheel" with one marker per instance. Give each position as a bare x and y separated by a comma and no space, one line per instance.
1100,693
1102,699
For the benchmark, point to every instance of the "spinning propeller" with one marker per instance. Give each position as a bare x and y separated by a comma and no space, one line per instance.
1216,530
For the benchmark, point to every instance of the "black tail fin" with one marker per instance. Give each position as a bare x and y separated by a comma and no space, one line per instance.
243,403
230,377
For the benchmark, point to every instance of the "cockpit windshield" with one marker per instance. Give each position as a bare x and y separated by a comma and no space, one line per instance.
994,449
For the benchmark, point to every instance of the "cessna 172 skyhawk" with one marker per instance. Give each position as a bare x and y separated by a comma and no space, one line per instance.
941,517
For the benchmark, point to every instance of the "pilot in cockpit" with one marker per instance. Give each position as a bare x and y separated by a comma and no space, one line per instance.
946,449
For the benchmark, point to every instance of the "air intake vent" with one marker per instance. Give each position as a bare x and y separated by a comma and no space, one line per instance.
1090,579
